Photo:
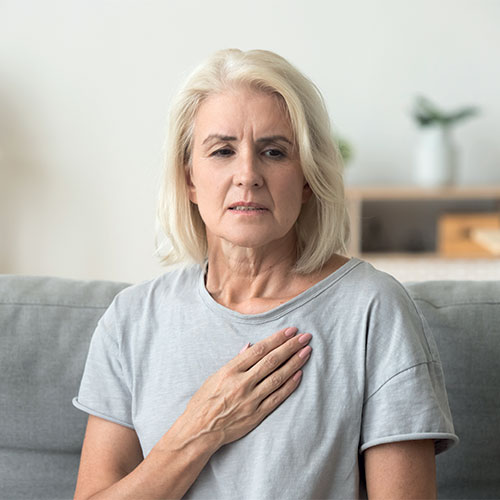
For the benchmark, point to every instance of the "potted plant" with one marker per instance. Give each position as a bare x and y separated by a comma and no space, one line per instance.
345,149
436,155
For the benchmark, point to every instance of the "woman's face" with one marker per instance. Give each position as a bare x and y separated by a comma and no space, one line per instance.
245,174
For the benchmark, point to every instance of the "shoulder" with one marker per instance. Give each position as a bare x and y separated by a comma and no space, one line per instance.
386,309
143,298
376,287
394,323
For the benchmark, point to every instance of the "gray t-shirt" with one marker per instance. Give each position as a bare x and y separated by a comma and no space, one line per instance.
374,377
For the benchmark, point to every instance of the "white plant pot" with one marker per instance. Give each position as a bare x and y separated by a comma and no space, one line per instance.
436,158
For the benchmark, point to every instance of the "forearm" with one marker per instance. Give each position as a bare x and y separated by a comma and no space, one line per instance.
168,471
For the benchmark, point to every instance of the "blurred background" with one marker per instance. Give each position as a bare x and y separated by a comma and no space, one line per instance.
84,92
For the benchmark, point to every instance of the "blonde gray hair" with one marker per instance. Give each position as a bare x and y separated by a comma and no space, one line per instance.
322,227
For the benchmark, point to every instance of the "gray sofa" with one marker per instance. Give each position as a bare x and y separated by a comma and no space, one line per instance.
45,329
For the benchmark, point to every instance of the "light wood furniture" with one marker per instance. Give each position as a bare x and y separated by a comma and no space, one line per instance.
404,206
488,238
456,234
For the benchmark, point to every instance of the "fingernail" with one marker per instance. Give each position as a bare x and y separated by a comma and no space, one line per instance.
290,332
303,353
297,375
305,337
245,347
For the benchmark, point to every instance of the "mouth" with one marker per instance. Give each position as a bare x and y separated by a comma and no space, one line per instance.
247,209
242,206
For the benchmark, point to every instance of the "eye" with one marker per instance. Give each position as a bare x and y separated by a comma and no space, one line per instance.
275,154
223,152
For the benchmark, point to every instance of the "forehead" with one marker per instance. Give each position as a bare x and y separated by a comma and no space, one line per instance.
241,110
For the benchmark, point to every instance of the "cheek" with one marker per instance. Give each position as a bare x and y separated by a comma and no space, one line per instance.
294,191
200,186
290,203
208,194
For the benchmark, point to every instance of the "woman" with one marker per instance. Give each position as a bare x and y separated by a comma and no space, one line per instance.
253,195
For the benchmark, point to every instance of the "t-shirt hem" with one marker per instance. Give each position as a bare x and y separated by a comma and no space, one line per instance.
96,413
442,440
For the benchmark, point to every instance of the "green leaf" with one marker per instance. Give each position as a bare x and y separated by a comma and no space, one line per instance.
426,113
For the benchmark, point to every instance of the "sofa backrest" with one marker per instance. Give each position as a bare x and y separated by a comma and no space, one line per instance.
45,329
465,319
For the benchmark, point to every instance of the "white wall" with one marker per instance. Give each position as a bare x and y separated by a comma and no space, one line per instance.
85,86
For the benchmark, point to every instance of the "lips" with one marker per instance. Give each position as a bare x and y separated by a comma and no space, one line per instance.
246,206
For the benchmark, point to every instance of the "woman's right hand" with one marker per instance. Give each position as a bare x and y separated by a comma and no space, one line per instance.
235,399
227,406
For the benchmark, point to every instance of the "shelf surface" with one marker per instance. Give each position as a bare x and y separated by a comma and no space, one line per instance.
418,193
429,266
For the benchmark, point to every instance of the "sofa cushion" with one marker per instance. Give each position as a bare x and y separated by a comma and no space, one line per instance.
45,329
465,319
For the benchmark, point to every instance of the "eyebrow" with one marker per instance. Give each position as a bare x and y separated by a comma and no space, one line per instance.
228,138
220,137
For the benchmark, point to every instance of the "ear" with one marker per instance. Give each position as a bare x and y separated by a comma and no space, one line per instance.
306,192
190,186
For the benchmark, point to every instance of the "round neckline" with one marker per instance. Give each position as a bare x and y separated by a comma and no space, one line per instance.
282,309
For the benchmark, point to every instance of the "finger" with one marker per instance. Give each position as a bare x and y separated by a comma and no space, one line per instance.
276,379
273,360
245,347
253,354
272,401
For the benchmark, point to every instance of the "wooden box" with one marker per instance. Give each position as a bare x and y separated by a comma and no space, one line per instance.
456,234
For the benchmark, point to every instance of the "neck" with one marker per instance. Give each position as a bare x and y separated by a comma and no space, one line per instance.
237,275
251,280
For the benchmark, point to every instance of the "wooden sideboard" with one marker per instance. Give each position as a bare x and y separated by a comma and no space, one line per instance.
403,221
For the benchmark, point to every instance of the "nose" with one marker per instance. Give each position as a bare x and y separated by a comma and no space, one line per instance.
248,172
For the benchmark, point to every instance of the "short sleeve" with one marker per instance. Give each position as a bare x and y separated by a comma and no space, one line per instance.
405,395
104,391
